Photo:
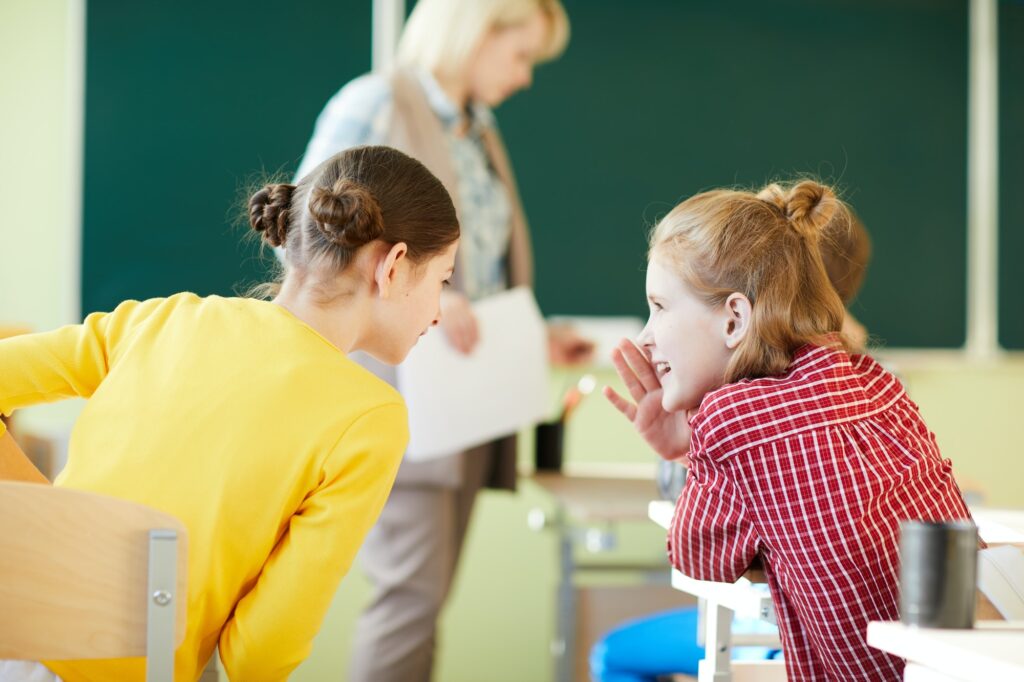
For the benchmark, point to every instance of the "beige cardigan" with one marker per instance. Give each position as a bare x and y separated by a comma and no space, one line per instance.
416,130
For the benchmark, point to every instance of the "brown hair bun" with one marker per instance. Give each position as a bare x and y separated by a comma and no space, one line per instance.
362,195
269,212
347,213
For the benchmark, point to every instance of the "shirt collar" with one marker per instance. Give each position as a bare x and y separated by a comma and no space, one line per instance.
480,115
822,387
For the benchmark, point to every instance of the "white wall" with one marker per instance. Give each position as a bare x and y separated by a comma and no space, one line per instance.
40,169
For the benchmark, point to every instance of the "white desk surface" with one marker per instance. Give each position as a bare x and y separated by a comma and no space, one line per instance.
742,596
999,526
661,511
992,651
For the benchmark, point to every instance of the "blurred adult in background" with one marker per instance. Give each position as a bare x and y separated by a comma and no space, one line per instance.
456,60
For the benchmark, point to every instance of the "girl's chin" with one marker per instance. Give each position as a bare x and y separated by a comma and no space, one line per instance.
673,400
672,403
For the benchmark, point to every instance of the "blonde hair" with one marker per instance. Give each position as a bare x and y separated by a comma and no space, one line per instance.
440,35
846,250
765,246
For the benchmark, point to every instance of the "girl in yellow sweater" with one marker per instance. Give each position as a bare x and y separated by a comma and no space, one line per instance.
245,419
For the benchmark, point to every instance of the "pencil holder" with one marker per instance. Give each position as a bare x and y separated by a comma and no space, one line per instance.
549,441
938,573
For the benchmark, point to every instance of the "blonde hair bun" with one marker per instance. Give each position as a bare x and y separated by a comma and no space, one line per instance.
766,246
809,206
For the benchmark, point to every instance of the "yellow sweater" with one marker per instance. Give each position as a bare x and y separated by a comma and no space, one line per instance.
274,449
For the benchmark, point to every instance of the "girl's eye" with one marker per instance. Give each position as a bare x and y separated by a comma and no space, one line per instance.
656,305
446,283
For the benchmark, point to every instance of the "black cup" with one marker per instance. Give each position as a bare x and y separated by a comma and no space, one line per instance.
938,573
549,439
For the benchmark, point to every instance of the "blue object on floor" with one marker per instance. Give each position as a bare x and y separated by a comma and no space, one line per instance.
663,643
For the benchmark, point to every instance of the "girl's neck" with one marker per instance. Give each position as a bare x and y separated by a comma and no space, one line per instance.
341,321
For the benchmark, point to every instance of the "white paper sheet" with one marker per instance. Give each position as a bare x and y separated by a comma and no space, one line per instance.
458,401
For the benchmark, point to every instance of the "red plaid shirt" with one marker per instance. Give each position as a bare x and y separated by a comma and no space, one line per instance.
813,470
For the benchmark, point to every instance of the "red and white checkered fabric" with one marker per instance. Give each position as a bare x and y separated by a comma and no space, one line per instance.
813,470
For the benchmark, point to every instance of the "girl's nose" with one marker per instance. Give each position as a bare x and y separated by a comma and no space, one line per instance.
645,338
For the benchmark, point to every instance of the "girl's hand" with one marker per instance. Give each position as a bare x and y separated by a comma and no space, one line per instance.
667,432
458,322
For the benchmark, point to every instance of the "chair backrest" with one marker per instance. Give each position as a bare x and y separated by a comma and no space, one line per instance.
75,575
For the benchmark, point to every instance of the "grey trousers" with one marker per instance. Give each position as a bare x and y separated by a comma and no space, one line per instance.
410,557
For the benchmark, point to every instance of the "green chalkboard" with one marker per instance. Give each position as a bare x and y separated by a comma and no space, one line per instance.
186,103
1011,172
657,100
654,100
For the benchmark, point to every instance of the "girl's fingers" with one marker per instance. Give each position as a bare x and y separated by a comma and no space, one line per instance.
640,364
635,369
628,376
621,404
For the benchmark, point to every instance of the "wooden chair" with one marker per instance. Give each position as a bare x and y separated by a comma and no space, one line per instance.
88,576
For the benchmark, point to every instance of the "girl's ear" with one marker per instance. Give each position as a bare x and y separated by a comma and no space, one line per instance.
737,311
386,272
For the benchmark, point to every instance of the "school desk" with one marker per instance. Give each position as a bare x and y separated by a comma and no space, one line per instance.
591,502
719,603
993,650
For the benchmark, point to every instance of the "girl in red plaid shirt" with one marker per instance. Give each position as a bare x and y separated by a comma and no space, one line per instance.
799,451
